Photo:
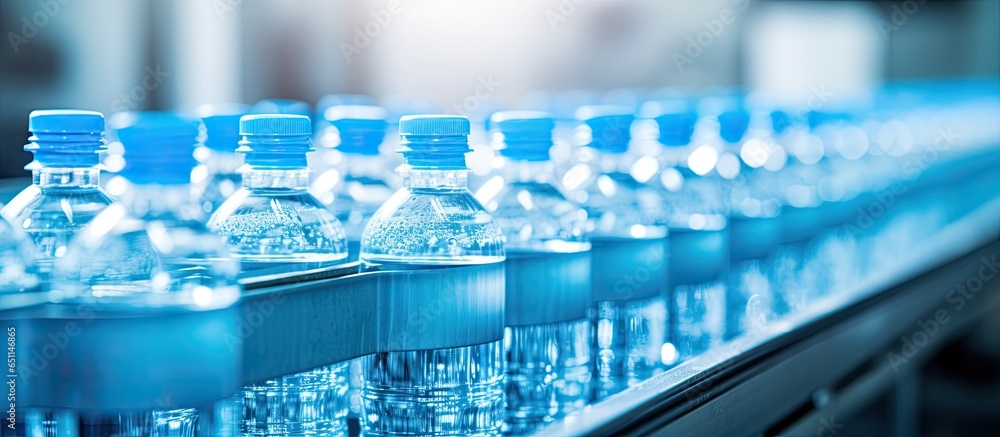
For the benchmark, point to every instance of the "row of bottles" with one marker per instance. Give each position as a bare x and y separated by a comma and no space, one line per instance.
661,235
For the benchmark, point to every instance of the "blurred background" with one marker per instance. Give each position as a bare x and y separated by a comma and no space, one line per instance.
464,56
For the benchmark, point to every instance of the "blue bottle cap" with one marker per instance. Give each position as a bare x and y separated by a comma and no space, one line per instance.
733,125
675,119
819,118
159,146
527,135
361,127
610,126
65,138
277,141
434,141
780,120
221,126
282,106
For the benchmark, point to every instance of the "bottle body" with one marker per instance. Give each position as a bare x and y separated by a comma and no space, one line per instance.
222,178
434,221
149,253
150,250
60,202
457,391
628,243
17,261
307,403
273,220
546,343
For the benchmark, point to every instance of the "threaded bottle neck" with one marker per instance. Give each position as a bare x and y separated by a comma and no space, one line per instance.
255,178
420,178
434,152
54,177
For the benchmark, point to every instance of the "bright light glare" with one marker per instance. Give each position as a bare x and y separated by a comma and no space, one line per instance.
672,179
728,166
696,222
576,176
703,160
607,186
644,169
202,296
668,354
114,163
754,152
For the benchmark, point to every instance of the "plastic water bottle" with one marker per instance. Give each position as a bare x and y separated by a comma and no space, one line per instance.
220,164
755,225
548,364
150,252
433,221
698,223
17,261
359,182
307,403
629,252
64,195
273,220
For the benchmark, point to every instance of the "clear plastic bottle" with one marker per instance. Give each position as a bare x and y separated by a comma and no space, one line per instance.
629,252
692,186
356,187
150,252
64,195
307,403
755,224
219,172
433,221
273,220
548,364
17,262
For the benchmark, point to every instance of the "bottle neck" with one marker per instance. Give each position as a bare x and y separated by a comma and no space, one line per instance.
440,179
83,177
260,178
